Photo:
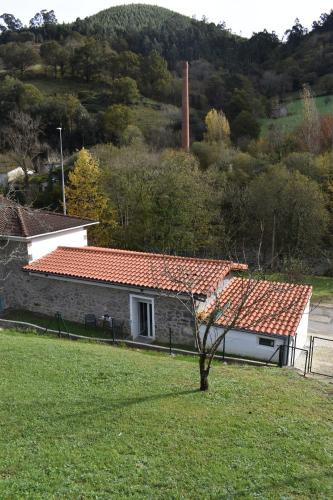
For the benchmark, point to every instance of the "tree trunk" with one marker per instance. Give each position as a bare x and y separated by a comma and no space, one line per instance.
203,373
204,381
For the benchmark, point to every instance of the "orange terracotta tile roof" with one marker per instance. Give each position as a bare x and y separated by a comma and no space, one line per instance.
262,306
138,269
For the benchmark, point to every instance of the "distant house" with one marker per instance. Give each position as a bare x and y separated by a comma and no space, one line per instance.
11,175
60,272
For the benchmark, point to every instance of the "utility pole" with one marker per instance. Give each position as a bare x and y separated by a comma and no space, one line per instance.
185,110
62,172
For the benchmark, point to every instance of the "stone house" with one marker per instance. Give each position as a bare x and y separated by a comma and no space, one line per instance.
58,272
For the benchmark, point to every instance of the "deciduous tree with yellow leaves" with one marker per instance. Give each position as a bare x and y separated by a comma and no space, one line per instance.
85,198
218,128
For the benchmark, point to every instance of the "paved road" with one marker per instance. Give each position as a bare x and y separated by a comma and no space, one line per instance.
321,320
321,325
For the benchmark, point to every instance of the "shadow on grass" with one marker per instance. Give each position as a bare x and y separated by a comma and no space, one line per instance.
126,402
94,406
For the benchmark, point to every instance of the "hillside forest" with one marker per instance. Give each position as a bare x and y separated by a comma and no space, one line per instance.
258,180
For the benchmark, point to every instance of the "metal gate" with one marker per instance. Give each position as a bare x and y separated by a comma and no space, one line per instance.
321,356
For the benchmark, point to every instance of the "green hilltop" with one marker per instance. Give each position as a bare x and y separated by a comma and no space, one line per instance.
134,17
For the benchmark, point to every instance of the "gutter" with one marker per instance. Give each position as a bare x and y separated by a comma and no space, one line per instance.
255,332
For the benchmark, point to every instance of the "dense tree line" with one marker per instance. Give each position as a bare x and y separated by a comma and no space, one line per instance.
218,201
234,192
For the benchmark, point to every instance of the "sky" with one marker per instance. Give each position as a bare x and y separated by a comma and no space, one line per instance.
242,16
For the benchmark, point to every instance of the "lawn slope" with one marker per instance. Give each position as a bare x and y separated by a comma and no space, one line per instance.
295,115
80,420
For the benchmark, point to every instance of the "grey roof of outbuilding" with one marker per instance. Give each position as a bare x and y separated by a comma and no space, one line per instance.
20,221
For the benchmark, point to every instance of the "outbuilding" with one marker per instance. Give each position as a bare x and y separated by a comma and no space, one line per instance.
265,320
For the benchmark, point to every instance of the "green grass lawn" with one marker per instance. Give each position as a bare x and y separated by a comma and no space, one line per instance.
86,421
295,108
51,323
322,286
51,86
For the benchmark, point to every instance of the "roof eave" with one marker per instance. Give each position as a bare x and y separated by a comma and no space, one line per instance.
28,238
258,332
63,277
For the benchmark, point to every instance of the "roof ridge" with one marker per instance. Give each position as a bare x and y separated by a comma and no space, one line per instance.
148,254
19,211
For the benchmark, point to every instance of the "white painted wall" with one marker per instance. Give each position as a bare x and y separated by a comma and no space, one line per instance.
16,174
202,306
302,331
246,344
42,245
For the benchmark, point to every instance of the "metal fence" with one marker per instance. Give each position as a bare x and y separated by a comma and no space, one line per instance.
318,359
321,356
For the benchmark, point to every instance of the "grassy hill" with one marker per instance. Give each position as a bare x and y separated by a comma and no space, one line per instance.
295,114
89,421
134,17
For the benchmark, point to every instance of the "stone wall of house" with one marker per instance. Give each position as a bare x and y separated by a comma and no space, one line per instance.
170,313
74,300
13,255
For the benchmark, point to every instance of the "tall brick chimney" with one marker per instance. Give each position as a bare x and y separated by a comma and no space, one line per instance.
185,110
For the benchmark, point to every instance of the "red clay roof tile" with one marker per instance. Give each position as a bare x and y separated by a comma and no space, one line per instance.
262,306
139,269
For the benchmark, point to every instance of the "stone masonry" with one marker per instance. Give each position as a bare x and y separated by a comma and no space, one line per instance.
13,255
74,300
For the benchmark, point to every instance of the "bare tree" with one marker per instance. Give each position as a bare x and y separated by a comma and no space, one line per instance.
215,316
22,137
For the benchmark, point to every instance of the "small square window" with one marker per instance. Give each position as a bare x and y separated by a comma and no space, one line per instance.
266,342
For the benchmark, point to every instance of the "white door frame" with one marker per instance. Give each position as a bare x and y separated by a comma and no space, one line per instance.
134,299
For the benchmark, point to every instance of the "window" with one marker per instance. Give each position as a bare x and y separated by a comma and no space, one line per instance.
266,342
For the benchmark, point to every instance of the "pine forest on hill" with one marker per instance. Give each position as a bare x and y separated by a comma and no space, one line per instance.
260,168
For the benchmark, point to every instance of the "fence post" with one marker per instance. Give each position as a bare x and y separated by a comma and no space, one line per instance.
306,362
58,316
281,355
310,354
